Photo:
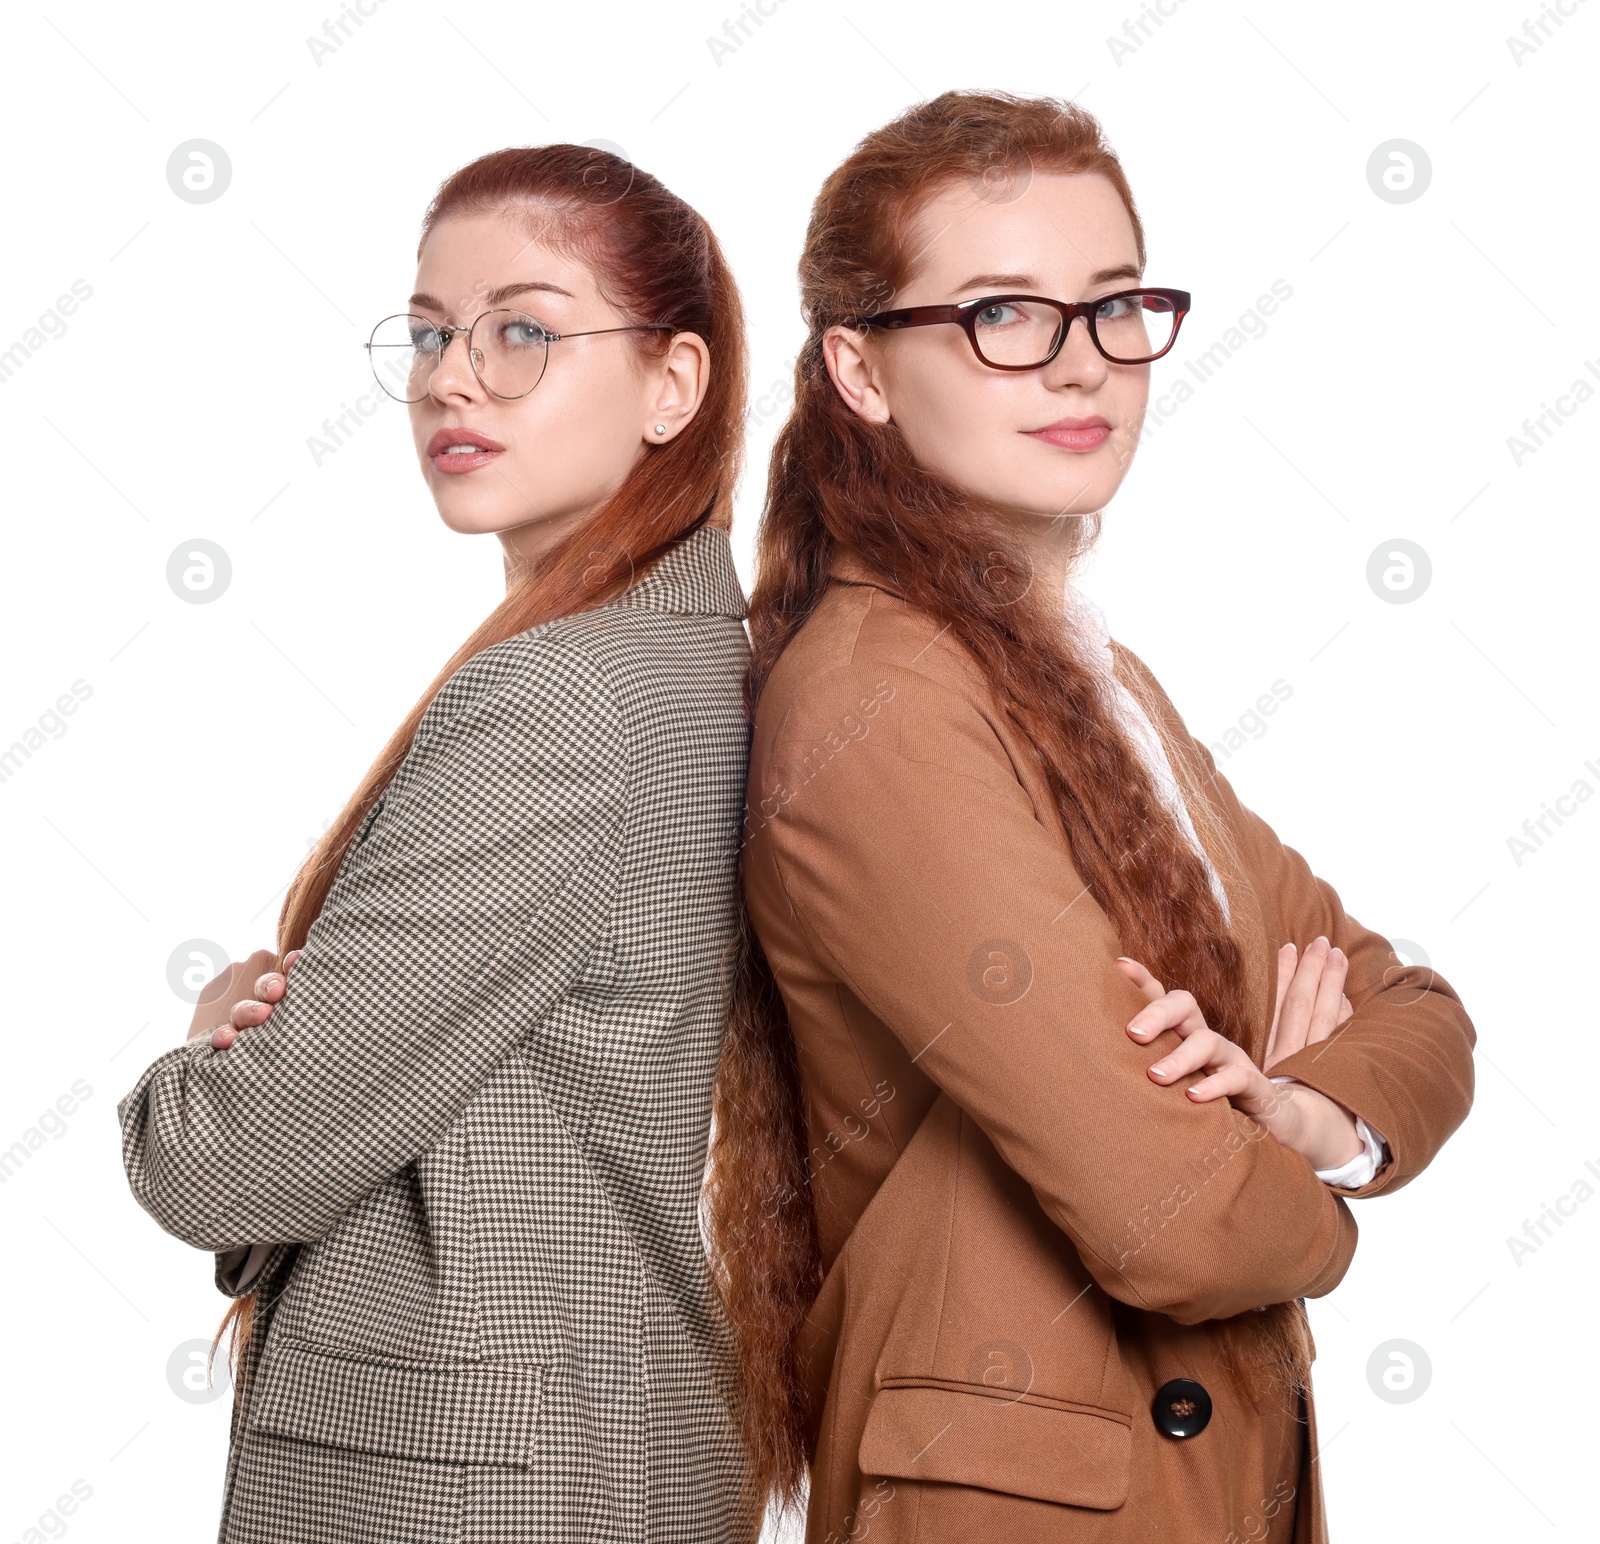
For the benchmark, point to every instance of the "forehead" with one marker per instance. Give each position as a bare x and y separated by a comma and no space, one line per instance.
466,255
1060,228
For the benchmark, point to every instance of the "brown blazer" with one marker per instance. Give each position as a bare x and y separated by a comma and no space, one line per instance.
1024,1238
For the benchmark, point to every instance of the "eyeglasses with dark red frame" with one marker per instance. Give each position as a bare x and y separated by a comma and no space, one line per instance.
1160,302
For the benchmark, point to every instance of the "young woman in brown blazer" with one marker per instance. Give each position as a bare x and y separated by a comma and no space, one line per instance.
1051,1067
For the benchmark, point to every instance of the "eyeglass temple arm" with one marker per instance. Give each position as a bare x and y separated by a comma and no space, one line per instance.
556,337
553,337
915,316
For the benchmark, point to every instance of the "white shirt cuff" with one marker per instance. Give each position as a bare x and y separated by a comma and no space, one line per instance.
1374,1152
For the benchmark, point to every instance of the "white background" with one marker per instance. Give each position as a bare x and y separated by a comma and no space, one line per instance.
217,740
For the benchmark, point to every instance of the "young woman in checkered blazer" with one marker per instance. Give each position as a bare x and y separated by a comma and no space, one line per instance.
450,1165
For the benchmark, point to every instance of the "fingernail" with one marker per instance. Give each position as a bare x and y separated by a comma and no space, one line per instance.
1162,1068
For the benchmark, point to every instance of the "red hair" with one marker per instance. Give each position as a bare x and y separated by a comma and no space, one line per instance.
657,261
836,478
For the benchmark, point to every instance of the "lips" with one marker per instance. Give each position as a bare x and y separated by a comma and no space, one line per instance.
446,453
1078,434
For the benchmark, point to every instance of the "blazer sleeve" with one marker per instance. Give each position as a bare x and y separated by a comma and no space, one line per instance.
1403,1061
921,878
465,908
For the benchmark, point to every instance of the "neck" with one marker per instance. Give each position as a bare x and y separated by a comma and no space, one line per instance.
1051,545
525,548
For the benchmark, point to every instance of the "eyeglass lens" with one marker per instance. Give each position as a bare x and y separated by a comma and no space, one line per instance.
509,349
1023,333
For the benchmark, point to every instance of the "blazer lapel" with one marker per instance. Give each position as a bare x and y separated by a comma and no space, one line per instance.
1248,921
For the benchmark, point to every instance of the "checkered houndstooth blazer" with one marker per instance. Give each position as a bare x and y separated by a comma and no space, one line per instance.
461,1161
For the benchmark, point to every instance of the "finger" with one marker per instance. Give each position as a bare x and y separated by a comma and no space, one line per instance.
271,986
1287,958
1204,1048
248,1012
1295,1022
223,1036
1233,1080
1140,977
289,960
1330,990
1258,1096
1346,1010
1176,1010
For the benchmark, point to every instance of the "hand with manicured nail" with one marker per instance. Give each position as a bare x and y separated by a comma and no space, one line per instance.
239,997
1313,988
1310,994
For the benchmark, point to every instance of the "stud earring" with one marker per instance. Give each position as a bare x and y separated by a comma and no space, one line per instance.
661,428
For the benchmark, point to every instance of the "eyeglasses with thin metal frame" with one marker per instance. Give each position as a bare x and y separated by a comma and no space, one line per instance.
446,333
965,315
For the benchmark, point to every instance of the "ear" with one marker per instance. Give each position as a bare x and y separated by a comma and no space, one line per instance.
681,375
856,373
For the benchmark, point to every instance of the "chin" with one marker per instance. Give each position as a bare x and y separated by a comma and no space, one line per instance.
1079,496
467,518
1082,494
1084,501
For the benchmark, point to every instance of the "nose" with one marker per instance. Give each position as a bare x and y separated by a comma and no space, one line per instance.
1078,362
453,378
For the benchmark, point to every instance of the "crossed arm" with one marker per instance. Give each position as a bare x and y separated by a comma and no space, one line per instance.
916,849
467,909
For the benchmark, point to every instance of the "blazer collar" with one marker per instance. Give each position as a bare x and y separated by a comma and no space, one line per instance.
695,577
847,566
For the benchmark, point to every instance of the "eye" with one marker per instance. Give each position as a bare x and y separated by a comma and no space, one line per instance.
424,339
998,315
519,332
1117,308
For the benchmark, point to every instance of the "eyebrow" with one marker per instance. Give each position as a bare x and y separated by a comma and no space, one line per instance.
1027,280
498,296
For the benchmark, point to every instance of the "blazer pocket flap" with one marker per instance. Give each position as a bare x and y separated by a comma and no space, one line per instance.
450,1412
1048,1452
